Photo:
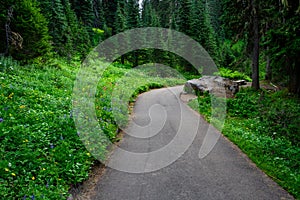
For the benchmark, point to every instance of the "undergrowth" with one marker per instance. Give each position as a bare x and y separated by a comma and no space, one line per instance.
266,126
41,155
233,75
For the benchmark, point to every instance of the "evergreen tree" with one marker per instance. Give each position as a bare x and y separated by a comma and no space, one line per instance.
120,22
133,13
110,8
215,12
183,18
150,17
120,18
99,14
146,13
133,21
31,25
241,18
85,11
58,25
165,10
283,40
209,42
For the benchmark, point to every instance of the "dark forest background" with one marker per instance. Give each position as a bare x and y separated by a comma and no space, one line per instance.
259,38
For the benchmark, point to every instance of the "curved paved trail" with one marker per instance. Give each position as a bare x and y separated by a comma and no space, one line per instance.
225,173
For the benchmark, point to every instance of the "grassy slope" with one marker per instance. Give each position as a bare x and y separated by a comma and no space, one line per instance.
41,154
266,127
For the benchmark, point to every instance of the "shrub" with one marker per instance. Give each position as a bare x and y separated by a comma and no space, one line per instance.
234,75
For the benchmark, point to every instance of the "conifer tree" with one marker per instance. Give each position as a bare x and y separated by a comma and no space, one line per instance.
120,18
32,26
58,24
120,21
99,14
133,21
110,8
133,12
183,18
210,42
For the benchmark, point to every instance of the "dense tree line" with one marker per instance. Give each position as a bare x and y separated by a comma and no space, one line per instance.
235,33
271,32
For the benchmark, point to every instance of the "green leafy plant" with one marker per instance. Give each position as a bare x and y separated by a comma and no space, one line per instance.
234,75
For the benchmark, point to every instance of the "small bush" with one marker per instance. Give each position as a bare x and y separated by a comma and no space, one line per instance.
234,75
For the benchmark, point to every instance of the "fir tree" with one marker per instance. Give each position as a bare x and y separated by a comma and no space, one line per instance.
120,18
133,21
32,26
183,18
99,14
133,12
110,8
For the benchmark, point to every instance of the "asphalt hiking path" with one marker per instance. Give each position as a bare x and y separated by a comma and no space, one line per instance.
158,117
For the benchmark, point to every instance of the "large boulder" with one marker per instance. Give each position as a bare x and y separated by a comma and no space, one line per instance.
213,84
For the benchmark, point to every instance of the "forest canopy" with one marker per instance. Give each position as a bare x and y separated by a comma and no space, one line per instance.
259,38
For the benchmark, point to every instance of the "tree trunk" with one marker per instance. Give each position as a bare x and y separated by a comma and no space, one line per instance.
268,68
255,56
294,85
136,59
268,76
122,59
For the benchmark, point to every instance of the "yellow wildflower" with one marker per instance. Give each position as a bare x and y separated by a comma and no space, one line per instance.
6,169
88,154
13,174
33,178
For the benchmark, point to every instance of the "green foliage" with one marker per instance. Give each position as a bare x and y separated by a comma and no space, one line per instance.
7,64
244,104
234,75
150,17
266,127
202,105
32,26
41,153
133,13
99,14
232,55
183,17
283,42
120,19
109,8
282,117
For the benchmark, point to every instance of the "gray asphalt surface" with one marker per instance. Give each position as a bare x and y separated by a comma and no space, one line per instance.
225,173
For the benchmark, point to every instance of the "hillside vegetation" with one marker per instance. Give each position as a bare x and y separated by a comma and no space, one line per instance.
266,126
41,153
